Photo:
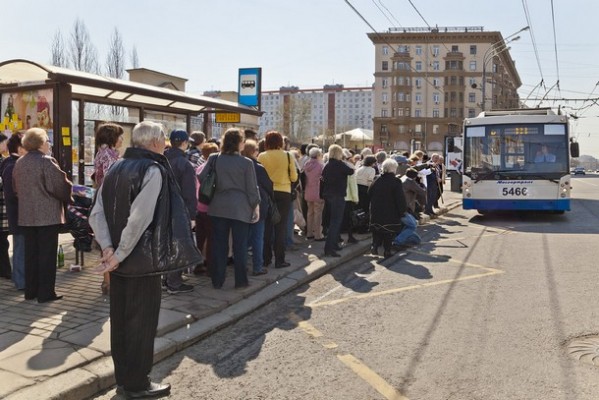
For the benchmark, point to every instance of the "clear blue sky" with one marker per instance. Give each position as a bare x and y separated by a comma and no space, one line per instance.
309,43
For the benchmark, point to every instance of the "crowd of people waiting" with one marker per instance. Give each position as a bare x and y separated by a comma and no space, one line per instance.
265,193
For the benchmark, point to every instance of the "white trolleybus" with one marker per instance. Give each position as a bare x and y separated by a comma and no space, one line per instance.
517,160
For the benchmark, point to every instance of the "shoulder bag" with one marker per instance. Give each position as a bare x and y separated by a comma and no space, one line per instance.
208,184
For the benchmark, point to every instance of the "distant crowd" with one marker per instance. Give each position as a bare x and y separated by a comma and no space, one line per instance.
267,196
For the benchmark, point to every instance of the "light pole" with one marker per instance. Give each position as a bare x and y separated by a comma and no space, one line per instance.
496,49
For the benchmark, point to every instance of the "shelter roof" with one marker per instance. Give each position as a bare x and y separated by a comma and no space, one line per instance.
105,90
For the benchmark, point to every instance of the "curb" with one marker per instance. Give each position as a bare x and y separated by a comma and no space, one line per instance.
88,380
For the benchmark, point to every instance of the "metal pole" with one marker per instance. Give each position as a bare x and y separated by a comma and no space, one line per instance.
484,83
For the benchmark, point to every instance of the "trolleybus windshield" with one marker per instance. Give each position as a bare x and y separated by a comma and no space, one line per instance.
513,151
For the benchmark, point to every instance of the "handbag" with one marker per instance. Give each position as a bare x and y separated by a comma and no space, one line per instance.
359,218
273,212
208,184
293,184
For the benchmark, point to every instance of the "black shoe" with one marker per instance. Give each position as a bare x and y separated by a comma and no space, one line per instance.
283,265
264,271
331,254
374,251
154,390
181,289
49,300
352,240
320,240
387,254
242,285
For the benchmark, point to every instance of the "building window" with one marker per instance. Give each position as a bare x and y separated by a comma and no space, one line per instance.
471,97
436,98
436,66
454,65
453,112
436,51
418,82
385,98
471,81
401,96
418,65
435,113
455,48
472,65
401,129
384,113
417,113
435,129
384,83
418,98
418,128
418,50
436,82
385,65
471,113
473,49
385,50
400,112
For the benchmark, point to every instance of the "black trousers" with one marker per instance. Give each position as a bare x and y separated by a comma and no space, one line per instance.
41,248
279,231
134,309
5,268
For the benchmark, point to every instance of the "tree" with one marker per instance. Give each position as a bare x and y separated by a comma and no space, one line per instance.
82,53
294,118
115,63
133,58
59,56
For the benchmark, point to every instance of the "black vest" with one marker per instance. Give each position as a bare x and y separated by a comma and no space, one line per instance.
167,244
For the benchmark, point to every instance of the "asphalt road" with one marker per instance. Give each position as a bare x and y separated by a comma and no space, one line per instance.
487,308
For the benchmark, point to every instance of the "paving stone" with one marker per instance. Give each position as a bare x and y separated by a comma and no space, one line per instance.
50,359
11,382
96,337
170,320
13,343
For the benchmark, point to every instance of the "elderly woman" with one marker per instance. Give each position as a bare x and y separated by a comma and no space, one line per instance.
109,138
313,171
5,269
15,148
233,208
42,189
387,207
203,224
334,176
250,151
281,170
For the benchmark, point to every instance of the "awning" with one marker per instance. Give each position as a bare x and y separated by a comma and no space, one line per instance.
105,90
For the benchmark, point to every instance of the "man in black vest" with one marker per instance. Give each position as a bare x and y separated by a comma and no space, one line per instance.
140,222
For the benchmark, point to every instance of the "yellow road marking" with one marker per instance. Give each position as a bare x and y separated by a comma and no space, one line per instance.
357,366
489,272
371,377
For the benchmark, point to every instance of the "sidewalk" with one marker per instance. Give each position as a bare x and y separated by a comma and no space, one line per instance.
61,350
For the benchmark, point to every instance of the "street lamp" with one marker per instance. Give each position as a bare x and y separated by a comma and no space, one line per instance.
496,49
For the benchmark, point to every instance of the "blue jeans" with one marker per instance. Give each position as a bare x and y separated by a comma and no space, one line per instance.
408,235
336,208
18,260
257,243
220,248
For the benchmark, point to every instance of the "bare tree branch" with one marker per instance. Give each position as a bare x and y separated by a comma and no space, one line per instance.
133,58
58,57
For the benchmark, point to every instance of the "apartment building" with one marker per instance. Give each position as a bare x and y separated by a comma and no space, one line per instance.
427,80
305,114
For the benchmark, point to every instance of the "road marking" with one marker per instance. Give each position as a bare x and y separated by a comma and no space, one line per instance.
371,377
489,272
357,366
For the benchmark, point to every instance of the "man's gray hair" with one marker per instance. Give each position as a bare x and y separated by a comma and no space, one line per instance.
315,152
389,165
381,156
145,133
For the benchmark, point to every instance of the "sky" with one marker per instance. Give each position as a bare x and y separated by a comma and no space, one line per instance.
310,43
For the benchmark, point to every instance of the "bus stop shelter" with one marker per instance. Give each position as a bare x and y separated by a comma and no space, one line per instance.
55,99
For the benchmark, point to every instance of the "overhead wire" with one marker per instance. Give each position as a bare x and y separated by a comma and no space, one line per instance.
383,12
390,13
555,45
534,41
415,8
440,89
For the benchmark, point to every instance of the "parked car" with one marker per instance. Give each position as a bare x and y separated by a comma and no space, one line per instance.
579,171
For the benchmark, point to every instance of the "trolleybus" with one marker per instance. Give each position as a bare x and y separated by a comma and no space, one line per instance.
517,160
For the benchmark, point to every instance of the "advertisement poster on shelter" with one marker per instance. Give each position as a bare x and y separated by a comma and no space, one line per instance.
27,109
